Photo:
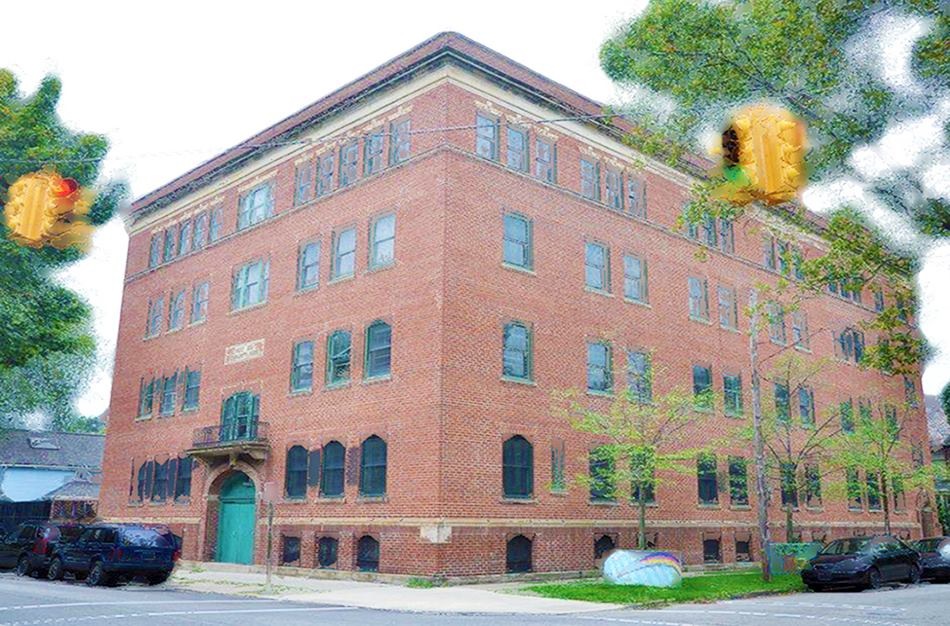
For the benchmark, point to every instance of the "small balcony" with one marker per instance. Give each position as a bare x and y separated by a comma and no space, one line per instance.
231,441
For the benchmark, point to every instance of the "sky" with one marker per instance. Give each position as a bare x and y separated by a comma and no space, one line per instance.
174,83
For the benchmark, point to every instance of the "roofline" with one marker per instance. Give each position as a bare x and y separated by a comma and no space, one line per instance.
47,432
434,49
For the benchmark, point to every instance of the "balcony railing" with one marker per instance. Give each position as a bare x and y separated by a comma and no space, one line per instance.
226,434
232,440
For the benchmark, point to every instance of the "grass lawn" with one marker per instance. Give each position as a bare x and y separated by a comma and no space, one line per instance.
703,588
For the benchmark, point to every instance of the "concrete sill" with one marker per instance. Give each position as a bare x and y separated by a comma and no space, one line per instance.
709,507
642,303
250,307
740,507
599,292
299,393
341,279
330,500
518,381
372,499
377,379
517,268
531,500
603,503
339,385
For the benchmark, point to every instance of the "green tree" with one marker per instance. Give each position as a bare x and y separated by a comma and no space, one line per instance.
46,344
945,401
638,438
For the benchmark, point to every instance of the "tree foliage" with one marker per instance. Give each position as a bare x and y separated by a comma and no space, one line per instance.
46,344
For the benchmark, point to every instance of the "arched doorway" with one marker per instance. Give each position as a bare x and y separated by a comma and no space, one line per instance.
236,520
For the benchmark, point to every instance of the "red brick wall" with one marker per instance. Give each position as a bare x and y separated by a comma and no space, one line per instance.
445,412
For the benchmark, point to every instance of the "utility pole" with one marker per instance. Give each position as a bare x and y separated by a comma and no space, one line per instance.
761,481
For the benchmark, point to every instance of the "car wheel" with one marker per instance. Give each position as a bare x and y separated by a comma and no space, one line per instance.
97,575
55,571
874,579
157,579
23,567
914,576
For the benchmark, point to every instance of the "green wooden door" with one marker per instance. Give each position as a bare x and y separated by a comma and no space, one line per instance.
236,521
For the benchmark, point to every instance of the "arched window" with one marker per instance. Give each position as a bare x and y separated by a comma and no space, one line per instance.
373,467
295,477
160,482
378,350
326,551
601,474
367,554
518,555
331,479
517,468
603,545
516,352
239,415
338,358
143,487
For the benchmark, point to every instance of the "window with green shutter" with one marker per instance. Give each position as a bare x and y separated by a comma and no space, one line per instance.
249,286
338,358
517,241
517,468
373,467
331,476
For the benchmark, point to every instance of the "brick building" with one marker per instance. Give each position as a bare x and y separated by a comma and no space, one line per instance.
362,312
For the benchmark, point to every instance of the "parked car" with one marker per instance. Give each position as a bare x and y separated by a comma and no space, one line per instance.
865,562
934,558
107,553
30,545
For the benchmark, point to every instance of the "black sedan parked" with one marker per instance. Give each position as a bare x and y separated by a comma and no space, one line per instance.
934,558
29,546
106,553
865,562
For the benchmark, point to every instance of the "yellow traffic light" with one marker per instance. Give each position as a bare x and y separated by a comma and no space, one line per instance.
43,208
763,151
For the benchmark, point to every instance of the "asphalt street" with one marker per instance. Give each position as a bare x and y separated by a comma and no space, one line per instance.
29,602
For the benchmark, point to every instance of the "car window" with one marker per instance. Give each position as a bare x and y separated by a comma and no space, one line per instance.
927,545
847,546
108,535
70,532
145,538
88,534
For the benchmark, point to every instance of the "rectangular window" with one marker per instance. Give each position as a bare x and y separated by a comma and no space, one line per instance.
373,153
782,403
303,183
776,323
400,141
634,278
176,311
256,206
378,358
146,397
156,312
738,481
344,254
325,170
301,371
602,476
599,368
170,241
849,345
768,250
893,425
183,479
806,406
544,160
201,231
169,394
199,303
643,474
874,491
698,299
613,181
878,300
800,330
338,358
910,393
783,255
382,251
558,476
155,251
517,241
308,266
702,387
517,149
214,226
291,550
349,159
192,390
732,394
706,479
709,232
864,410
846,412
789,485
249,285
812,486
637,197
728,310
184,238
639,376
486,137
727,236
900,498
590,180
597,267
516,358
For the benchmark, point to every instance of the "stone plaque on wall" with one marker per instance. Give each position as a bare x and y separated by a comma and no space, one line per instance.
244,351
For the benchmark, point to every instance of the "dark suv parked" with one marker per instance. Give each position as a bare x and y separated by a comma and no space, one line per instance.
106,553
867,562
30,545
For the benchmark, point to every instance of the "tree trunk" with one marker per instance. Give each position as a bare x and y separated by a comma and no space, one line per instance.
761,481
887,505
789,524
642,521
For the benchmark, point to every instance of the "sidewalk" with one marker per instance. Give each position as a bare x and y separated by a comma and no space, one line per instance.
486,598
